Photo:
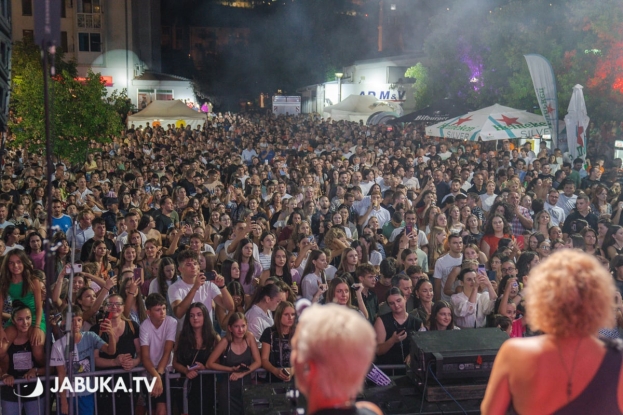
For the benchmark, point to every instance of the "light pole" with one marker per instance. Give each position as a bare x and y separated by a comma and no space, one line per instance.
339,76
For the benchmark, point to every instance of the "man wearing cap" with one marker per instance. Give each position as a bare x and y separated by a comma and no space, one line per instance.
110,216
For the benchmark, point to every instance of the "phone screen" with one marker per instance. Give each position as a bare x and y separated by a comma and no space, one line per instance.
408,230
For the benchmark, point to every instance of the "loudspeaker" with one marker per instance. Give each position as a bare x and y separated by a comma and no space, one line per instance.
455,354
5,61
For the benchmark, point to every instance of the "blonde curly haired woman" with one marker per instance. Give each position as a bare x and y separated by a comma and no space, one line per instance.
568,370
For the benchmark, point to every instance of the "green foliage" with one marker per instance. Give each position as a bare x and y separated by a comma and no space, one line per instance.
81,112
491,37
330,72
421,88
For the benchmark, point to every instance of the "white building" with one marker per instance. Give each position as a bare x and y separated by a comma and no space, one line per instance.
383,78
118,38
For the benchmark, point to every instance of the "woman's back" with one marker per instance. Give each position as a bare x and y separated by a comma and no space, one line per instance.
560,365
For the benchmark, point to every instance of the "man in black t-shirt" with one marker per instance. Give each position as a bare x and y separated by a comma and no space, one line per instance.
99,234
110,216
163,220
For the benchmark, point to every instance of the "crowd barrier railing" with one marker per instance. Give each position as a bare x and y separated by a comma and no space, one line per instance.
389,370
169,378
113,374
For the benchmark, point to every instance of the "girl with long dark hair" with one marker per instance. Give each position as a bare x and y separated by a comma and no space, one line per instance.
441,317
18,281
250,269
24,360
167,275
260,314
33,247
238,355
276,343
279,268
196,341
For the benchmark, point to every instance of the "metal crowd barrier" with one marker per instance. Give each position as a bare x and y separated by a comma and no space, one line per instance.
214,373
113,373
167,384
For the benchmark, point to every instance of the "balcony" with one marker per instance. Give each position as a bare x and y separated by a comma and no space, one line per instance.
89,20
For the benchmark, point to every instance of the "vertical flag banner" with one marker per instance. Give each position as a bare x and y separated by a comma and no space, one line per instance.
544,82
577,123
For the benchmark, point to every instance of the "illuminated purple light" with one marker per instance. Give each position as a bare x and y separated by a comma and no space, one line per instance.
475,66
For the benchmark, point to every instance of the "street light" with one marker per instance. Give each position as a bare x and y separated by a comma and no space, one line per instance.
339,76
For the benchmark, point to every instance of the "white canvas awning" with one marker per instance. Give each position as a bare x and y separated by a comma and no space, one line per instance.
167,112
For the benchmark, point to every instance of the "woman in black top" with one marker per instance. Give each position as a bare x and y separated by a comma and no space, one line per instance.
196,341
127,356
393,330
24,360
276,347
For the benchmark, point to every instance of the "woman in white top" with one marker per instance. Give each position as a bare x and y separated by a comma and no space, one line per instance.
337,221
267,243
314,282
488,199
374,256
260,315
470,306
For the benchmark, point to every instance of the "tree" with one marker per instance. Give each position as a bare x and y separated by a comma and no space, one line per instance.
476,55
81,112
421,89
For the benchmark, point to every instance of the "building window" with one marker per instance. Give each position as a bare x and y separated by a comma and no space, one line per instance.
89,42
89,6
28,33
64,43
26,7
164,94
63,9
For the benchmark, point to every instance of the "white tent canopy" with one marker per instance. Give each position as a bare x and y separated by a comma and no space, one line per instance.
167,112
492,123
356,108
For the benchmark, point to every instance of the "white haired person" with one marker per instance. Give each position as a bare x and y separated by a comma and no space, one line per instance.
569,298
332,351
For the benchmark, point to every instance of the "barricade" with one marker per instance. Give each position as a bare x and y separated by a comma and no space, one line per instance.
113,374
167,384
172,375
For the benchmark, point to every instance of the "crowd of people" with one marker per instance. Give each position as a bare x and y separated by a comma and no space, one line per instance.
193,245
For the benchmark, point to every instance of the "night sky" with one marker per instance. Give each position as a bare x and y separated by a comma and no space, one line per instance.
292,43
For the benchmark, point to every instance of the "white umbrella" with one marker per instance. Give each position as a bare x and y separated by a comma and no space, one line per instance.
492,123
577,123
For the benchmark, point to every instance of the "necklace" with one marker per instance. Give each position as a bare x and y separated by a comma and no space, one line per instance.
569,373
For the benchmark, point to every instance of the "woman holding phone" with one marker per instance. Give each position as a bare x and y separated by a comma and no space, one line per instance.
192,350
470,306
276,343
392,330
314,282
239,356
127,354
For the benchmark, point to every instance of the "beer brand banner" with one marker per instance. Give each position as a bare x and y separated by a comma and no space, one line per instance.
544,82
